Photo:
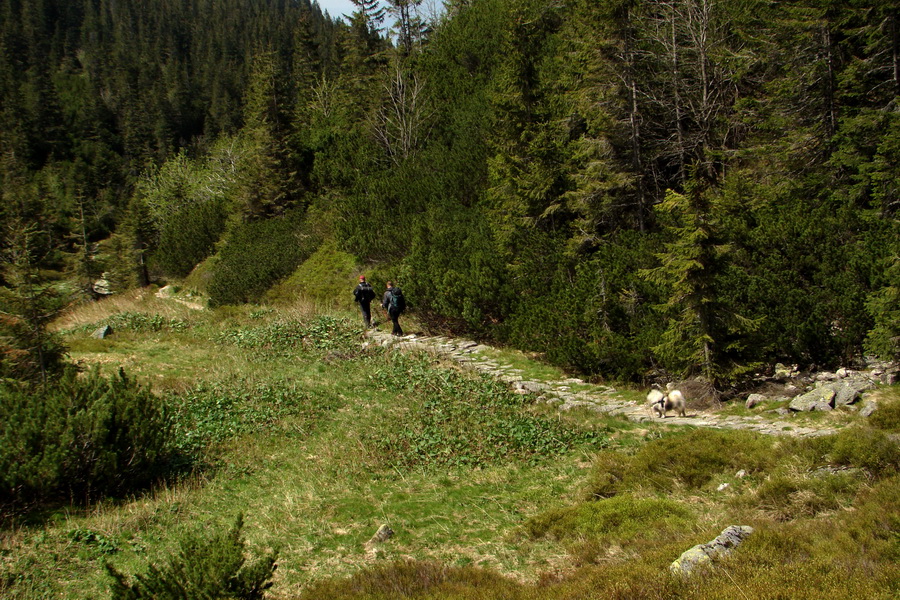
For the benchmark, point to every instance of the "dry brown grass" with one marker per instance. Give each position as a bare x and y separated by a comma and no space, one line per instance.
141,300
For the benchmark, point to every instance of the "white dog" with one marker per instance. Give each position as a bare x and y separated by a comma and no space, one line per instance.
662,403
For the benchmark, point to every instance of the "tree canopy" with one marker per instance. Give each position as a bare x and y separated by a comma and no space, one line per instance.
695,187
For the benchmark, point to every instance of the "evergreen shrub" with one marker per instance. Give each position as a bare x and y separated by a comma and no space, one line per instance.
593,315
869,449
418,579
80,438
189,237
616,519
694,458
206,567
788,496
454,274
326,278
684,460
257,255
887,417
28,302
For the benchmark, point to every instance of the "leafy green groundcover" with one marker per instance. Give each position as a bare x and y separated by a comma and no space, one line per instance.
467,421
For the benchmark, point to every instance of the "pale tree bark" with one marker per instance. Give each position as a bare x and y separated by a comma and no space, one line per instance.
401,125
689,49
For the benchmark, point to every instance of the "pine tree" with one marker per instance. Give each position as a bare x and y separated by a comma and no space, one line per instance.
884,306
372,15
701,330
206,566
409,25
28,303
529,142
261,190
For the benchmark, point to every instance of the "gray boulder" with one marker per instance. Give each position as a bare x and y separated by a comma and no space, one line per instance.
755,399
848,392
821,398
705,554
783,373
103,332
383,534
102,287
868,408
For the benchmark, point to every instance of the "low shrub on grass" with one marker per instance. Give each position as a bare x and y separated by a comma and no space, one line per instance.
416,579
887,417
692,459
851,554
875,525
210,567
80,438
616,520
608,475
786,496
870,449
689,459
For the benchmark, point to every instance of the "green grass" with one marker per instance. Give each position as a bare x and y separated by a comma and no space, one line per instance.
318,442
532,369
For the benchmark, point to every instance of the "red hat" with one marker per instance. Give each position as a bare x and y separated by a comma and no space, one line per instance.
362,277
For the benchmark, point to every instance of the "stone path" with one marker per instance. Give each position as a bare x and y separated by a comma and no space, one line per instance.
168,293
598,398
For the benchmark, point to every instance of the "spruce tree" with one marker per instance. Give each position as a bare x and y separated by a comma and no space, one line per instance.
701,329
28,303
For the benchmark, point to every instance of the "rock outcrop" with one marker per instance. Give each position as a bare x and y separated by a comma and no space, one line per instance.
708,553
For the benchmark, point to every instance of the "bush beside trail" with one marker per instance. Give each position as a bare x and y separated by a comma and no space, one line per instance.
80,438
255,256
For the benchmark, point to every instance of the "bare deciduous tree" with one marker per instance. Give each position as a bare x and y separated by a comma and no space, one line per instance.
402,123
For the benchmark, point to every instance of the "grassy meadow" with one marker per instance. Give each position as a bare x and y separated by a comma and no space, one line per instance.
285,416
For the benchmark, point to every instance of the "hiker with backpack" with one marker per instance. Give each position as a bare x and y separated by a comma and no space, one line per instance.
364,294
394,303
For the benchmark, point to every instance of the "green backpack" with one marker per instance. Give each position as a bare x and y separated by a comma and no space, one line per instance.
398,301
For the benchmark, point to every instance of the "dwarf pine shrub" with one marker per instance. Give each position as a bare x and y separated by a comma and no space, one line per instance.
870,449
206,567
189,237
619,519
418,579
887,417
80,438
257,255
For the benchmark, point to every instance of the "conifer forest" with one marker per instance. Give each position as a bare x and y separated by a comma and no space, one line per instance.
695,187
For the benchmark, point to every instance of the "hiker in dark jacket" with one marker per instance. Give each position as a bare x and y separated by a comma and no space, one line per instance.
364,294
394,303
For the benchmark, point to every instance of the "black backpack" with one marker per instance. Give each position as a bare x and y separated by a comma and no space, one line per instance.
365,293
398,301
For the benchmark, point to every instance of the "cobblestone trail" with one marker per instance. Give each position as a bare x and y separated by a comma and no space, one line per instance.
599,398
